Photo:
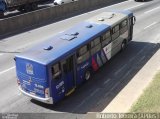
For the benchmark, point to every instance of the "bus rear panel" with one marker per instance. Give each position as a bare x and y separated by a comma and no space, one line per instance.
32,79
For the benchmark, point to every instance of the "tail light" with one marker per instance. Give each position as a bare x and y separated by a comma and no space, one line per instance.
47,93
18,82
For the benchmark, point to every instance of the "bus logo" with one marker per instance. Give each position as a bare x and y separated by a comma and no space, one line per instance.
29,68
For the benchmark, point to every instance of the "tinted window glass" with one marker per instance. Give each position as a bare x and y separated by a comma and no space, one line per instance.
56,71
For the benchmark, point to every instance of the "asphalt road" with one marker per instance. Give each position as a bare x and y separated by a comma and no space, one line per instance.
97,93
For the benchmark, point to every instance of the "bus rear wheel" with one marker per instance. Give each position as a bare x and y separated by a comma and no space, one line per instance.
34,6
21,9
87,75
27,8
1,14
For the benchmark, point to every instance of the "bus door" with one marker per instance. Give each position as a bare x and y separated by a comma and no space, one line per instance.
131,23
68,69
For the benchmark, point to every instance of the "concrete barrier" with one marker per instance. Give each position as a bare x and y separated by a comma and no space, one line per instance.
42,16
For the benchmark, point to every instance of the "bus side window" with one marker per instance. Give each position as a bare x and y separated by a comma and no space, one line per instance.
64,66
106,38
115,32
95,45
67,65
56,71
83,54
123,26
70,64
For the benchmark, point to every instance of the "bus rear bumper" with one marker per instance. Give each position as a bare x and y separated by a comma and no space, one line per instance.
44,100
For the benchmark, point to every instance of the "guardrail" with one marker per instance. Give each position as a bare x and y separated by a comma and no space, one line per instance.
27,20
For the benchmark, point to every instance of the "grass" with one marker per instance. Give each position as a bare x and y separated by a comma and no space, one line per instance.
149,101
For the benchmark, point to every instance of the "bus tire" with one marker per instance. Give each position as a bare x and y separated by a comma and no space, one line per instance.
1,14
123,45
87,75
34,6
21,9
27,8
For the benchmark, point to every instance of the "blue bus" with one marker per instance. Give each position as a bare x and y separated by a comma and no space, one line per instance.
53,69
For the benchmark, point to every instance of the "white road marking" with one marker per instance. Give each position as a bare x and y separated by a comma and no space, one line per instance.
126,74
141,51
115,86
132,59
106,95
151,10
7,70
1,54
150,25
134,6
100,102
95,91
142,58
119,70
106,81
86,99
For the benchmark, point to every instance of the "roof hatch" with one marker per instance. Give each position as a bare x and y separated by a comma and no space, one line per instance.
108,16
48,48
89,26
68,37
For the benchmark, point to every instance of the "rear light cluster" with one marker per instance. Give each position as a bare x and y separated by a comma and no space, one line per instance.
47,93
18,82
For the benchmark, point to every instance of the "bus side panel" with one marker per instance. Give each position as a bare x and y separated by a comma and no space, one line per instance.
115,46
81,69
57,86
96,61
57,90
101,57
93,64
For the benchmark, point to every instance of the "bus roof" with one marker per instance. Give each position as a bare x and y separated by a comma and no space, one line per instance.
67,42
110,18
64,43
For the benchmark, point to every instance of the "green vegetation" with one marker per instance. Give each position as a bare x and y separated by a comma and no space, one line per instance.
149,101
